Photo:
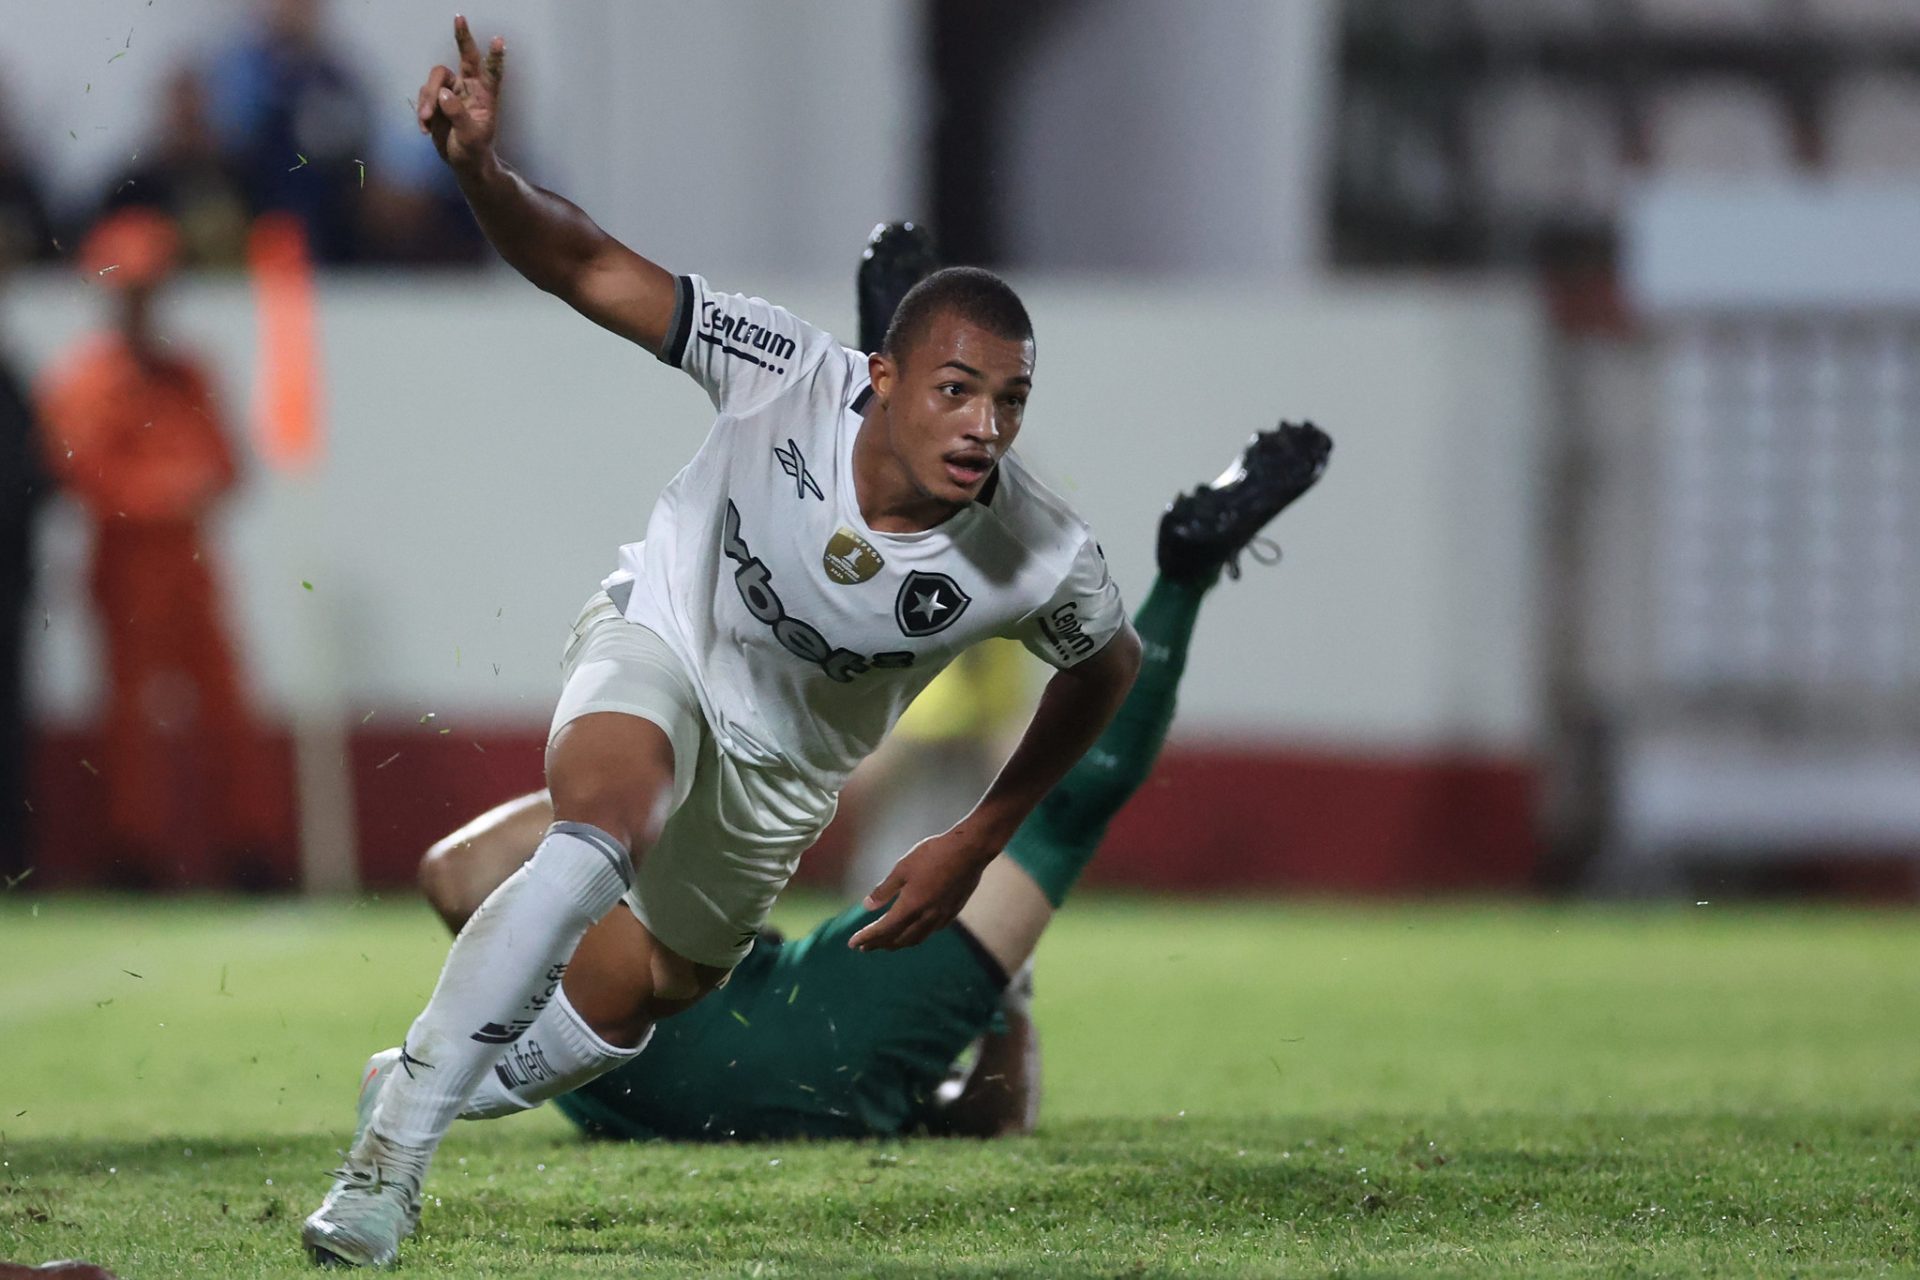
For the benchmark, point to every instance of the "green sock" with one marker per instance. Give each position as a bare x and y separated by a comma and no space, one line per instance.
1055,844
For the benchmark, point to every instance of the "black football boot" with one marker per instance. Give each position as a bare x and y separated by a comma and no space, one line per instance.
1206,530
898,256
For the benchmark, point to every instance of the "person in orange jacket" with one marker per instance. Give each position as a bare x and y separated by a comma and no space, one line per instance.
133,434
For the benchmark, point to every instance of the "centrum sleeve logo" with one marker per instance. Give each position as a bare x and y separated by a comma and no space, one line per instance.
928,603
743,339
850,558
803,640
1064,631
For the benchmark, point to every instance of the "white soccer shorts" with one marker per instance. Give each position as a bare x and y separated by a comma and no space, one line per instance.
736,831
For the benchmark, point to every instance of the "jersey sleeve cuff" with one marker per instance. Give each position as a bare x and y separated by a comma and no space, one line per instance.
680,327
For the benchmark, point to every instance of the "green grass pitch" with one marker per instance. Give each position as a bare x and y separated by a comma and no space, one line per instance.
1247,1089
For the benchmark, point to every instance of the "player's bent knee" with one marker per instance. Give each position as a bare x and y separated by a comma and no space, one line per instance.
437,877
457,873
623,808
450,881
626,801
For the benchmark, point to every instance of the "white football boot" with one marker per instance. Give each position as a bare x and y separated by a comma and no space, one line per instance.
374,1202
378,1068
373,1205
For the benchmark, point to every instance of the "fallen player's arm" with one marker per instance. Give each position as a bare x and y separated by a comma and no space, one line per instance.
930,885
544,237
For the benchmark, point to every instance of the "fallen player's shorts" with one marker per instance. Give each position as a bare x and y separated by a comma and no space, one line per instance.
808,1039
737,830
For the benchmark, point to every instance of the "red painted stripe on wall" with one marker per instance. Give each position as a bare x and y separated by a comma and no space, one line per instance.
1212,817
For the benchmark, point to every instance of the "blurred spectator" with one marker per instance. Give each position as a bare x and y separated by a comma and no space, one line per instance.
411,209
182,172
133,434
939,758
22,486
26,231
294,118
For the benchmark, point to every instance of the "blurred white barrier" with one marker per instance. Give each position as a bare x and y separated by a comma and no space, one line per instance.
1771,245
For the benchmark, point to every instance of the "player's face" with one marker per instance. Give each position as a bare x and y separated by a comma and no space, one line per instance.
955,406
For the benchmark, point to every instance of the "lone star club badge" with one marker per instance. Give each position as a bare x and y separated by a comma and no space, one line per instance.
928,603
850,558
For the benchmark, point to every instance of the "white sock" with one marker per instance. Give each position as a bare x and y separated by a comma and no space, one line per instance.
503,970
559,1053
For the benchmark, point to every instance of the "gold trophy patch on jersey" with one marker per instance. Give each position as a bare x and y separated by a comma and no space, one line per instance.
850,558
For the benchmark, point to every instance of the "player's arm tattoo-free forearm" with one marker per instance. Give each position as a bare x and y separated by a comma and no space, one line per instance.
1078,704
547,239
544,237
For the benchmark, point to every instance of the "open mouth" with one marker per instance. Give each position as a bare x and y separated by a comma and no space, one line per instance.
968,469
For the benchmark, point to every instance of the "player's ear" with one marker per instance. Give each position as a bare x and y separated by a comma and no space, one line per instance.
881,372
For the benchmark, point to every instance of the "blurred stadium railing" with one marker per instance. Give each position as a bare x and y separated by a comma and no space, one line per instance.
1715,194
1756,661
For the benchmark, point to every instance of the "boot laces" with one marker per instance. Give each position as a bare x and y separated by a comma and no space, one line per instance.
1263,549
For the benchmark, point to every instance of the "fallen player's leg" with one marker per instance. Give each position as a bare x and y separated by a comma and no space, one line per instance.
993,1091
1018,895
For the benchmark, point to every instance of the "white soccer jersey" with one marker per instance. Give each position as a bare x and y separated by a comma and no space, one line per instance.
806,632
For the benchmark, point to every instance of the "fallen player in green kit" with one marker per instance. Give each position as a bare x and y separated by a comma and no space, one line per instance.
810,1038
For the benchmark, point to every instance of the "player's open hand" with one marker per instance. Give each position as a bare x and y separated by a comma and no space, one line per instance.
927,888
460,110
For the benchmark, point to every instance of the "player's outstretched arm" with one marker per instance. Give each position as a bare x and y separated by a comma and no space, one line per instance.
930,885
542,236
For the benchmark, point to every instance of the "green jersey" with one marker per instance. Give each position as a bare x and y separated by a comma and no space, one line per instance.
806,1039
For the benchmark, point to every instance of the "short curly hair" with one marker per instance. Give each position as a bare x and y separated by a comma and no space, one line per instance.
974,294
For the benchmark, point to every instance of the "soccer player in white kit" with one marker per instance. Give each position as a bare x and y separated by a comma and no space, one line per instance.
849,525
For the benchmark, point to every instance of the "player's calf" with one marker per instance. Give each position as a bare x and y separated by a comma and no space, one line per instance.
623,980
503,973
620,982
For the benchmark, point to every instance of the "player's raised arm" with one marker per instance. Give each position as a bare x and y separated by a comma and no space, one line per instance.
545,238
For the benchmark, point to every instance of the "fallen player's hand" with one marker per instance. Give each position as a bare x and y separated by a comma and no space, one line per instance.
927,888
460,110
